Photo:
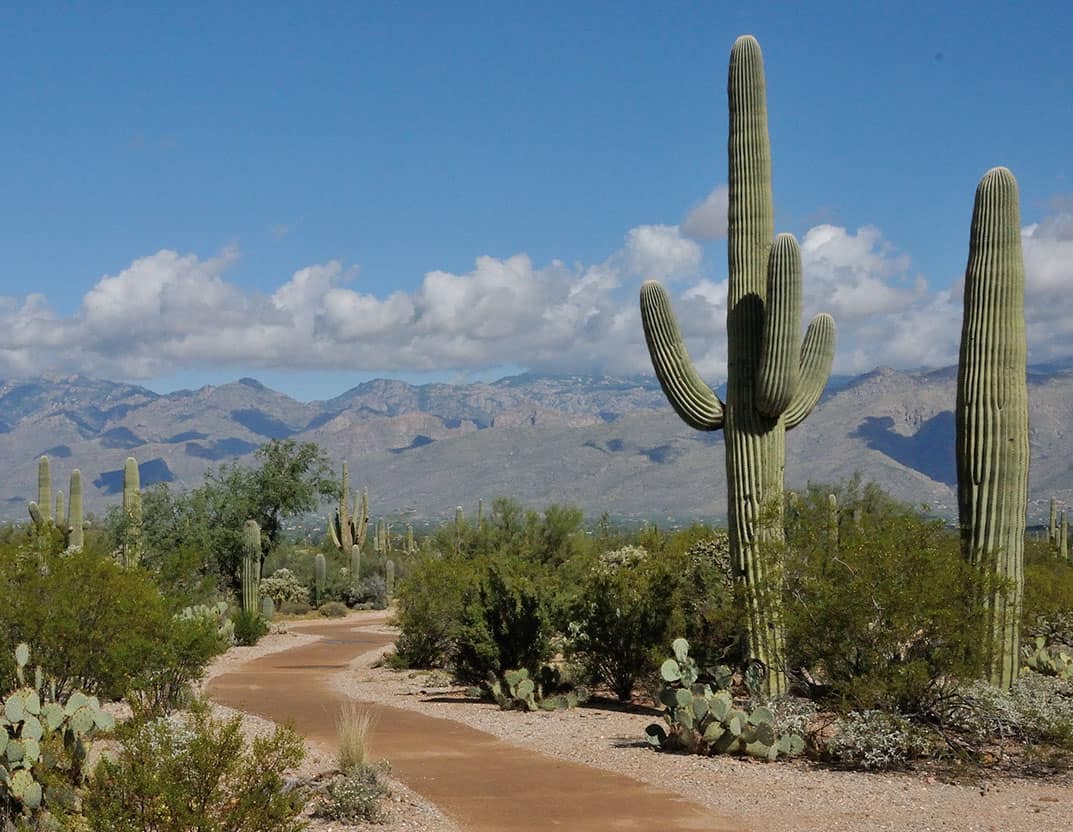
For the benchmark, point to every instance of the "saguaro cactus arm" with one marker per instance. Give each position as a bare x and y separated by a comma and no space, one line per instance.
776,378
817,356
690,397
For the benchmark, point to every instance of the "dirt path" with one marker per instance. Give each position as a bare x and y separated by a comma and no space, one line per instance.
485,784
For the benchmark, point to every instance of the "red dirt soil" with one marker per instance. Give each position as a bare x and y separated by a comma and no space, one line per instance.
484,784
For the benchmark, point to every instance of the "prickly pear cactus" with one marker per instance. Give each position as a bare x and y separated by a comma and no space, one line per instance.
992,415
706,721
44,740
773,379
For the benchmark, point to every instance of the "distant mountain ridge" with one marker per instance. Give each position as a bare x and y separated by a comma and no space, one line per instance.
607,444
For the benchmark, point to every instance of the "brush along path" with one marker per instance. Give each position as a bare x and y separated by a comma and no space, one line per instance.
481,782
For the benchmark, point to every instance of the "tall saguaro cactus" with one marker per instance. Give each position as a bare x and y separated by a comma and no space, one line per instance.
44,489
1052,527
992,415
132,511
251,568
773,380
348,528
74,513
320,575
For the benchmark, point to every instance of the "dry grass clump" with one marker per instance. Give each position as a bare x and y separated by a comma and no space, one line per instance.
353,726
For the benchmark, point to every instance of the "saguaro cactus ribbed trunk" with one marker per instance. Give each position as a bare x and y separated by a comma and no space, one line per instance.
251,568
74,512
44,489
773,380
132,509
992,415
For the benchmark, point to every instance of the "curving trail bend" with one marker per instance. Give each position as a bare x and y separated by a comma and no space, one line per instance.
483,783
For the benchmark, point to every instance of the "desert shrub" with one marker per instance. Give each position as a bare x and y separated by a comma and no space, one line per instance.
95,625
333,609
166,684
877,740
284,587
296,608
429,609
354,796
622,617
886,617
1048,600
353,727
1036,709
196,773
710,601
504,622
249,627
372,589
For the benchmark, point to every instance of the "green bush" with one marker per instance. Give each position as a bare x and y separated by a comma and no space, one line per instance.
1048,598
886,618
354,796
504,623
622,616
878,740
166,684
296,608
96,626
333,609
198,773
249,627
429,609
284,587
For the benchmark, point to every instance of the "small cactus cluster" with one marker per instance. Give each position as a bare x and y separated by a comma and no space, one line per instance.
69,519
218,613
1047,660
41,736
518,691
712,722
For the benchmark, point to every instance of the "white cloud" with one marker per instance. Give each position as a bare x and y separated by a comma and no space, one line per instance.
168,312
708,219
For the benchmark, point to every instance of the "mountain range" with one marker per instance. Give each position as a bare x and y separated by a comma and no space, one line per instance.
606,444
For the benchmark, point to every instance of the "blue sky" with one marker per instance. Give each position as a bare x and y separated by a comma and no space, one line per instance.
437,191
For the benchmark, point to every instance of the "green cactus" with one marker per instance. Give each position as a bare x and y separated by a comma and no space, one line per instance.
773,380
251,567
355,565
61,512
44,740
992,415
75,532
268,608
1063,538
707,721
1048,661
832,521
349,526
44,488
1052,527
132,511
320,574
411,546
389,579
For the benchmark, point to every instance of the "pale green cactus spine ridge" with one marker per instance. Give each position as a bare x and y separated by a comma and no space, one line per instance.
251,567
992,414
75,536
774,379
44,489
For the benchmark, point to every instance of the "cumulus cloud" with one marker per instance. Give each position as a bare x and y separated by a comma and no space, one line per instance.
708,219
169,311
